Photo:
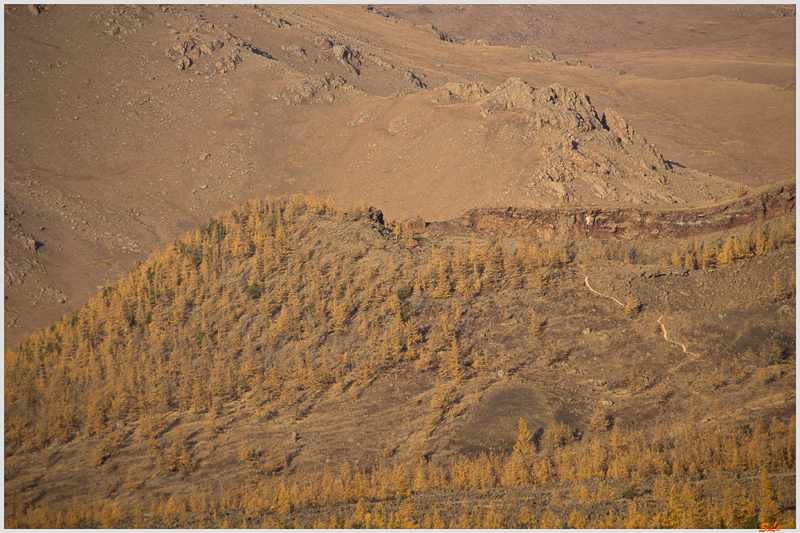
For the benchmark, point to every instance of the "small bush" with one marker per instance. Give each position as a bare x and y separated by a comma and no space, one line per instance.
404,292
716,379
631,492
633,307
777,354
254,291
751,522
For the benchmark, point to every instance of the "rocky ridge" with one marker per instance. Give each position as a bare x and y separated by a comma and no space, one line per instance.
626,223
584,155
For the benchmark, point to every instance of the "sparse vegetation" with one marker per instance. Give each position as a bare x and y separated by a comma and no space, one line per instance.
301,309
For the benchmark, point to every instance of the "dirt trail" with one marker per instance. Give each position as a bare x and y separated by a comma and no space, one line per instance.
683,346
586,280
693,356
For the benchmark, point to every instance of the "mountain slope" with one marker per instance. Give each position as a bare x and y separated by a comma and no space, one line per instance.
127,126
291,339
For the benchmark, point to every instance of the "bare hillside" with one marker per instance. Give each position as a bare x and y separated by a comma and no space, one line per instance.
126,126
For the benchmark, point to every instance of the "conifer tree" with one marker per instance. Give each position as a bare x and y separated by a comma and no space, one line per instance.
550,520
674,512
767,507
578,520
735,505
689,261
543,472
599,420
693,511
411,239
632,307
542,279
710,254
788,233
442,289
453,367
726,256
677,258
476,257
535,328
524,437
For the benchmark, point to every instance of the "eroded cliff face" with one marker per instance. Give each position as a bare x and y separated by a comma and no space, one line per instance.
625,223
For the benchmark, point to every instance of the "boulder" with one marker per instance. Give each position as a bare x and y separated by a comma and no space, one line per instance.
417,223
541,55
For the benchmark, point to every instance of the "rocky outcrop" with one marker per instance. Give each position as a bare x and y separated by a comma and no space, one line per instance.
382,63
540,55
412,78
347,58
197,43
417,223
513,94
325,42
584,154
295,51
580,63
454,92
320,87
271,18
438,33
625,223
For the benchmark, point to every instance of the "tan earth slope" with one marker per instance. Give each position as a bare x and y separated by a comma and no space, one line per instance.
126,126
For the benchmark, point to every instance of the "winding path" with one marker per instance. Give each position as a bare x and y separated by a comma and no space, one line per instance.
661,324
664,331
586,280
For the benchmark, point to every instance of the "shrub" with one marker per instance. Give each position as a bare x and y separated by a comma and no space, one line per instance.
404,292
254,291
633,307
768,374
631,492
751,522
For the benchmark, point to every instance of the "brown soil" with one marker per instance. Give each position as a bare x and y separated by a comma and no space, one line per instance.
112,152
